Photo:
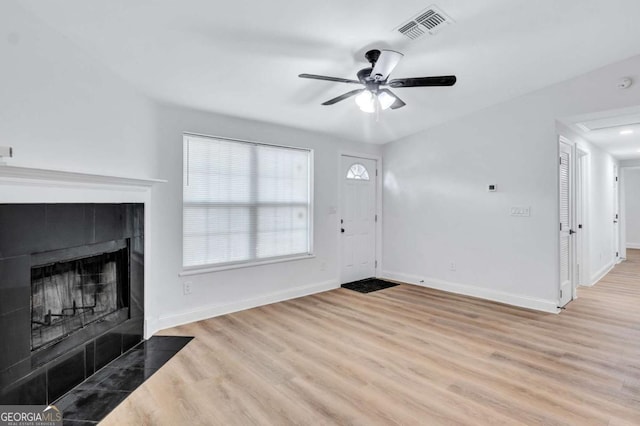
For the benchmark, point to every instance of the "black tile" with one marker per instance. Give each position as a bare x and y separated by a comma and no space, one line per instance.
89,404
118,379
143,358
108,348
21,229
134,220
15,337
15,372
31,391
65,226
138,220
131,332
165,343
109,222
89,230
89,358
67,422
15,283
137,278
65,374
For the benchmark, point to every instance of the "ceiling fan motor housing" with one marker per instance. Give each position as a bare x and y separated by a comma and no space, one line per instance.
372,56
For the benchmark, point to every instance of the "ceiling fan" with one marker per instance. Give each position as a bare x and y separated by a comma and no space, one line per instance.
375,95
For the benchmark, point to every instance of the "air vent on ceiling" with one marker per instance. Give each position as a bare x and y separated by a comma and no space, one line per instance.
431,20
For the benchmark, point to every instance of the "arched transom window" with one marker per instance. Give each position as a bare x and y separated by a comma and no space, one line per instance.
358,172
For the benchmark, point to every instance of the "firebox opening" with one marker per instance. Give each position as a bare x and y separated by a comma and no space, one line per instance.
68,295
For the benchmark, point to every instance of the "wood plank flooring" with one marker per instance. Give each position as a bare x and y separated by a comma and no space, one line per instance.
406,355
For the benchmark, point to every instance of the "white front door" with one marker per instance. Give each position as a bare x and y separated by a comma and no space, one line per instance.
566,224
358,221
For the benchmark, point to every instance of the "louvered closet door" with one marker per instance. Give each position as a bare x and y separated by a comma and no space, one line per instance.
566,252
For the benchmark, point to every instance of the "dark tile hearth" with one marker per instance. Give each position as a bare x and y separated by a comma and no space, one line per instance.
93,399
368,285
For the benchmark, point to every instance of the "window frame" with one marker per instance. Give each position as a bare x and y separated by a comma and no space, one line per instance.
214,267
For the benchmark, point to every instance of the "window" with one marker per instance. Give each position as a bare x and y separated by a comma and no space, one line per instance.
244,202
358,172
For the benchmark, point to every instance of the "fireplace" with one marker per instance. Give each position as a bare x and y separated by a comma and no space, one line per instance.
67,296
71,294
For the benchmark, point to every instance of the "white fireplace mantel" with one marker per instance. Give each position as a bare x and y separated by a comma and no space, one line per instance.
34,174
33,185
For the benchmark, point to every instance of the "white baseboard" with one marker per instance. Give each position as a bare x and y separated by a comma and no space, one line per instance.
482,293
211,311
633,245
601,273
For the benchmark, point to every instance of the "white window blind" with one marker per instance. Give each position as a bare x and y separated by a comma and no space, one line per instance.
244,202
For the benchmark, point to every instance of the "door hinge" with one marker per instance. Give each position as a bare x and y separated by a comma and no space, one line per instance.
617,254
560,160
376,218
376,264
616,178
376,172
561,226
560,294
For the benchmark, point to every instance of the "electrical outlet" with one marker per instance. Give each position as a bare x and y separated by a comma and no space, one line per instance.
186,288
519,211
452,266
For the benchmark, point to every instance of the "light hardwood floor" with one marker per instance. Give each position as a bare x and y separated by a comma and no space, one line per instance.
406,355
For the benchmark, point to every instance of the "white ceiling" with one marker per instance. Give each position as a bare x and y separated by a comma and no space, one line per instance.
242,58
616,132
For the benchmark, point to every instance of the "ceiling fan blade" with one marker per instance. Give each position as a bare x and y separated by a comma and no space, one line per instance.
445,80
343,97
399,103
326,78
386,62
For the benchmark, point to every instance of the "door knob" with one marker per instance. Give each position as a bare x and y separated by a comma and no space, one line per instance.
571,232
342,230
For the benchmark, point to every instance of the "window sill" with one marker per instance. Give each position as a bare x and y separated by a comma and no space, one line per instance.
209,269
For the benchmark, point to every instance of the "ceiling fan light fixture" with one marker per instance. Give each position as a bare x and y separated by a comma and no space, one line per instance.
386,100
366,101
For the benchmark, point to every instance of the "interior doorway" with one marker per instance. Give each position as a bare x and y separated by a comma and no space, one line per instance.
616,214
567,221
358,218
582,210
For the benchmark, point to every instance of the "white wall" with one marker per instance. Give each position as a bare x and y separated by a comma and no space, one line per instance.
230,290
437,209
632,206
60,109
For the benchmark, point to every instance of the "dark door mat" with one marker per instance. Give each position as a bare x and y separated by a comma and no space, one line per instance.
368,285
93,399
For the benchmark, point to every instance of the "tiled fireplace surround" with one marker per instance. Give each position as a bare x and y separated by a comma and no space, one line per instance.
46,211
44,374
